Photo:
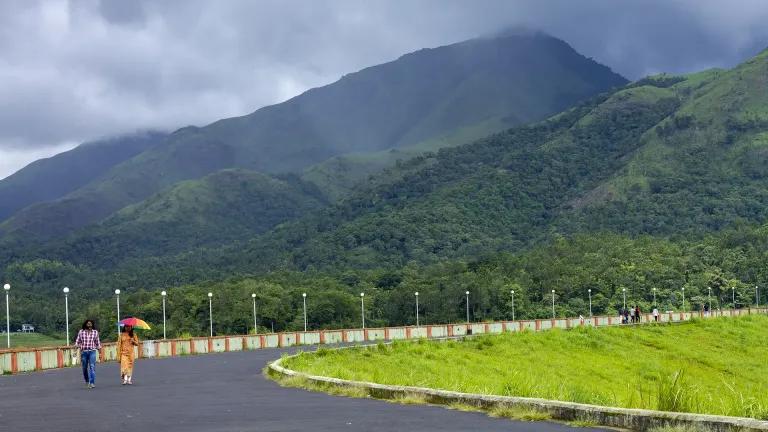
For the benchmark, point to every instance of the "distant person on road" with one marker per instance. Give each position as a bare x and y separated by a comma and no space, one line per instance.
89,345
656,314
637,314
125,343
632,314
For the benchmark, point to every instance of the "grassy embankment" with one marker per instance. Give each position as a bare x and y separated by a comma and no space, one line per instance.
712,366
30,340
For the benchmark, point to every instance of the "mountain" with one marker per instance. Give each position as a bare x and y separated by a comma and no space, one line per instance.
223,207
52,178
499,81
669,156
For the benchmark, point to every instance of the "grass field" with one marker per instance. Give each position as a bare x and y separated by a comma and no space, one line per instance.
715,366
30,340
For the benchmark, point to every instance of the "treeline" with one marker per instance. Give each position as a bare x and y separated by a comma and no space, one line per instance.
608,264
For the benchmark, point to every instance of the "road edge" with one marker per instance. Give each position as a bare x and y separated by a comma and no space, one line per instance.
625,418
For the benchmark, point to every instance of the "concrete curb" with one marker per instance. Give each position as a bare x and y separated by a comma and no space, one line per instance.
627,418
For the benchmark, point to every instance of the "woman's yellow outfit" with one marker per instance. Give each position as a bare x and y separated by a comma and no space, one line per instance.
125,344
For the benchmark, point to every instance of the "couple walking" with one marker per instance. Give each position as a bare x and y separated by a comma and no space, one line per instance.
89,345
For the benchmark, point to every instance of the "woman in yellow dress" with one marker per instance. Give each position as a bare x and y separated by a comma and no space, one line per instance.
125,344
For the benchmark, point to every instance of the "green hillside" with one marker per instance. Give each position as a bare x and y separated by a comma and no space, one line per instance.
342,176
52,178
516,78
227,206
665,156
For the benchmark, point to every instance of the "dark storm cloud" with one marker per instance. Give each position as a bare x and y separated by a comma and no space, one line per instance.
78,70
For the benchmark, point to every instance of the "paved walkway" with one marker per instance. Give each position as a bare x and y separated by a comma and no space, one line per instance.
217,392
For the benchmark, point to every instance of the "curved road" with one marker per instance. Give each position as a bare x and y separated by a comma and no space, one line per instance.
219,392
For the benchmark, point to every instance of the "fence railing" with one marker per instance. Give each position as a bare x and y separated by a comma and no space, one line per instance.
34,359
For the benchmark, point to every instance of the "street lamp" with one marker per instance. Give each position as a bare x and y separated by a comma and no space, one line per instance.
757,296
709,300
553,304
733,296
624,291
467,293
417,308
7,288
654,298
513,304
255,324
163,294
66,311
362,308
304,297
683,290
210,312
117,294
590,301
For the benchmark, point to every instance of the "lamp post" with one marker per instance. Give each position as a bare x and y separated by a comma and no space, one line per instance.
7,288
362,308
683,290
624,292
553,304
163,294
709,300
513,304
255,324
417,308
733,296
467,293
304,297
590,301
66,311
654,298
757,296
117,299
210,312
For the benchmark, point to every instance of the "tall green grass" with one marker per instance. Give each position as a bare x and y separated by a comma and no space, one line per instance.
715,366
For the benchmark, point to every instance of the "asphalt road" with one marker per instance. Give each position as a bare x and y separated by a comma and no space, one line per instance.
218,392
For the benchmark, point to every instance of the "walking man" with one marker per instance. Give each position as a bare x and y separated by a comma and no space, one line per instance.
89,345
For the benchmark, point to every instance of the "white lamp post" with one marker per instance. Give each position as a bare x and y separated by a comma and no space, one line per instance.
624,291
553,304
757,296
709,300
304,297
513,304
590,301
210,312
467,293
7,288
255,323
66,311
683,290
417,308
362,308
654,297
117,297
163,294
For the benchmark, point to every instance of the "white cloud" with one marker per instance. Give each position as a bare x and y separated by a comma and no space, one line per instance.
14,158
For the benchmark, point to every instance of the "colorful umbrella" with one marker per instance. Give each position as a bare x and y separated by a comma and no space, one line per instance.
135,322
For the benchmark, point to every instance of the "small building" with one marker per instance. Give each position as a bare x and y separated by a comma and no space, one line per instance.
27,328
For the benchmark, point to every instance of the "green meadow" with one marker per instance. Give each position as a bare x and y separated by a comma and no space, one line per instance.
714,366
30,340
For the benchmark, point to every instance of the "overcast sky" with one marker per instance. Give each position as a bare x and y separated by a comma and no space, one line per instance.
76,71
